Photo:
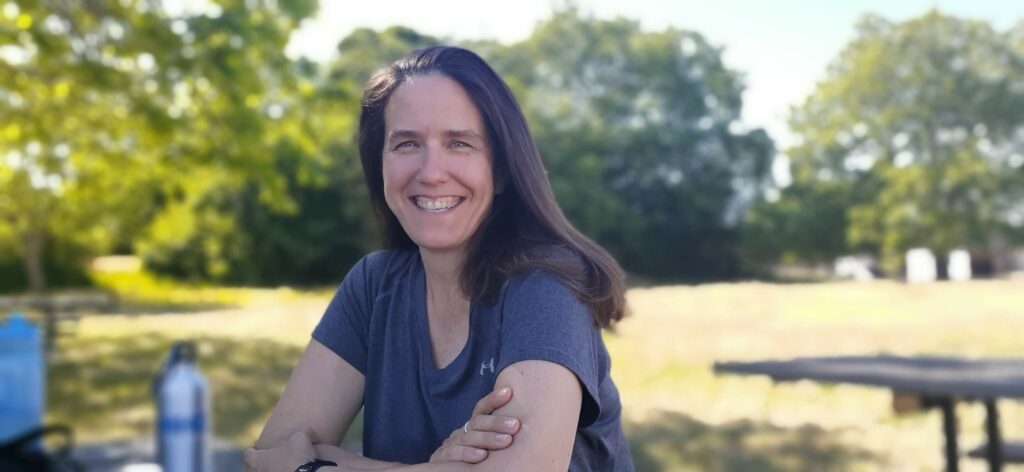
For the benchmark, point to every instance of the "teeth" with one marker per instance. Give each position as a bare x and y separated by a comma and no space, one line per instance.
437,204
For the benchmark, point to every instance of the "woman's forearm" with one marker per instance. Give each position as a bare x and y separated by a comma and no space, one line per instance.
350,461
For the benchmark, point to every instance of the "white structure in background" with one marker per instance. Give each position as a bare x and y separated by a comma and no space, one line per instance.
959,267
921,266
1018,261
854,267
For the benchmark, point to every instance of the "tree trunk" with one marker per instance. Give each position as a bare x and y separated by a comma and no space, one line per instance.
33,241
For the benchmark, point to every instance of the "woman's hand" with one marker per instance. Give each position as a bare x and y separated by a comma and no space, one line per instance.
482,433
286,457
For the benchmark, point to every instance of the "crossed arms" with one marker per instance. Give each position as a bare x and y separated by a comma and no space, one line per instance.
325,392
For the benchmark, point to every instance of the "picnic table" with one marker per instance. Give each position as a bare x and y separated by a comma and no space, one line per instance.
937,381
119,454
57,308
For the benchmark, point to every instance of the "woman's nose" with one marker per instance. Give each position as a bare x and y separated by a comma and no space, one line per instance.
433,168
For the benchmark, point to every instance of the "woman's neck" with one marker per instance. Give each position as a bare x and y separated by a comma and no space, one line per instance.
443,271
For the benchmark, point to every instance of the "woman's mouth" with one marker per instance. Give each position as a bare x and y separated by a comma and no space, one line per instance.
437,204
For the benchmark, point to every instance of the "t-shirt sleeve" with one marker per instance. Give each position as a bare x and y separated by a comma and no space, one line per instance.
345,326
543,320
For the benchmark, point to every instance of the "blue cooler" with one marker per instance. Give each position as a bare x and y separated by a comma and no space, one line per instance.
22,374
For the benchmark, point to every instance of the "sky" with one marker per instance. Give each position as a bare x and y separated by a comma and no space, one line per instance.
783,47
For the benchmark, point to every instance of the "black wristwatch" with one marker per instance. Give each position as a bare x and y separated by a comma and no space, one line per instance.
313,465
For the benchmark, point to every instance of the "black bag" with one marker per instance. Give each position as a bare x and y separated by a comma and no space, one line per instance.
20,455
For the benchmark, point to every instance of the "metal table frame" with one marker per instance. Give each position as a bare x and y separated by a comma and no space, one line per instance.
939,381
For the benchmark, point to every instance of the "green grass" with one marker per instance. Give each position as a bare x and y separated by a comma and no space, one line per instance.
143,291
678,415
662,360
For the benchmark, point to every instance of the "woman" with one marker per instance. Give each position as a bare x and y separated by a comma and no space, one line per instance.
481,321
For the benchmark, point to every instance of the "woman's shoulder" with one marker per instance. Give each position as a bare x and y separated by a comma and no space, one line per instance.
553,251
383,265
388,259
549,268
544,294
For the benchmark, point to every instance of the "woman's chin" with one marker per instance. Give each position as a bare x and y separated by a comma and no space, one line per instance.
439,245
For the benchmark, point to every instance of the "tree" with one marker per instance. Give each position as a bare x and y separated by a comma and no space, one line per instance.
190,139
642,135
70,148
335,225
126,124
806,224
917,126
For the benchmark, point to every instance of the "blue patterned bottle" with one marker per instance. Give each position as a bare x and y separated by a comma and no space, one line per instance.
183,414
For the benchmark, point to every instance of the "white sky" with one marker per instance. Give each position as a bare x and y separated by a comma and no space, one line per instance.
782,46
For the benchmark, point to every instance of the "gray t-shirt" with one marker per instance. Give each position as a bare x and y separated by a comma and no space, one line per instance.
377,322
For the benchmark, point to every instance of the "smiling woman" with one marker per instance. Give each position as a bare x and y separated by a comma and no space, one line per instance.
472,341
437,165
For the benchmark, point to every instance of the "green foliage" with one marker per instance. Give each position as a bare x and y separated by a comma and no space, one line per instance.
130,127
916,132
806,223
641,134
192,141
240,235
60,143
59,262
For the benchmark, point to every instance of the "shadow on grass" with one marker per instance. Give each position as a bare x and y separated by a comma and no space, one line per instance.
673,441
639,281
148,308
102,386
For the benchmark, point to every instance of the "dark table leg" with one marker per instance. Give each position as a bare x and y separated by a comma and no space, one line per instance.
949,427
50,327
995,441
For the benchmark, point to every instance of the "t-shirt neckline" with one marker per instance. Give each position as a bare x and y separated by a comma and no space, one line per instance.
423,327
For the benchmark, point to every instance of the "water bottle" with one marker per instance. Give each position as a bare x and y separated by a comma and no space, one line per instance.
183,414
22,374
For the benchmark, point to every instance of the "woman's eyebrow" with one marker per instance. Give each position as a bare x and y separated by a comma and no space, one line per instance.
402,133
463,133
452,133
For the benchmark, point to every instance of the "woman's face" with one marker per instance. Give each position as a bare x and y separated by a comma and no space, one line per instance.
437,163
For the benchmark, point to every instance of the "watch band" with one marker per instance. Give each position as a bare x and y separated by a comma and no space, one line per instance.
313,465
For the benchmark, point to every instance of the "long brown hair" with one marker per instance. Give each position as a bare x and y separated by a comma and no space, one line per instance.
525,228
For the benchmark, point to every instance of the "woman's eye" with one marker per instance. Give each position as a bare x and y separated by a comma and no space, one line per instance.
461,145
405,145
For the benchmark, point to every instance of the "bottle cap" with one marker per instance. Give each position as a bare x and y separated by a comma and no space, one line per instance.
185,351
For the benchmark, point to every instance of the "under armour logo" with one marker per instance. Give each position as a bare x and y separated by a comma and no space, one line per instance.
489,365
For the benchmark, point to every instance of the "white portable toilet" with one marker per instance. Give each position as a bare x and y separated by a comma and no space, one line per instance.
959,266
854,267
921,266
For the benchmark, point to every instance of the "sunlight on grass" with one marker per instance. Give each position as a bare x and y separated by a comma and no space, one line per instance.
678,415
141,289
662,359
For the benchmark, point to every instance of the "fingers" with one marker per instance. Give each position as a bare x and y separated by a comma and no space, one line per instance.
485,431
494,424
310,434
486,440
299,450
492,401
301,445
468,454
252,460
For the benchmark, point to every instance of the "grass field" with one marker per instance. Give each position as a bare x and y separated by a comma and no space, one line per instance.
678,414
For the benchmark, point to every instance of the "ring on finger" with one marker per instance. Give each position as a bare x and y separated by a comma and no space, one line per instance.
465,428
